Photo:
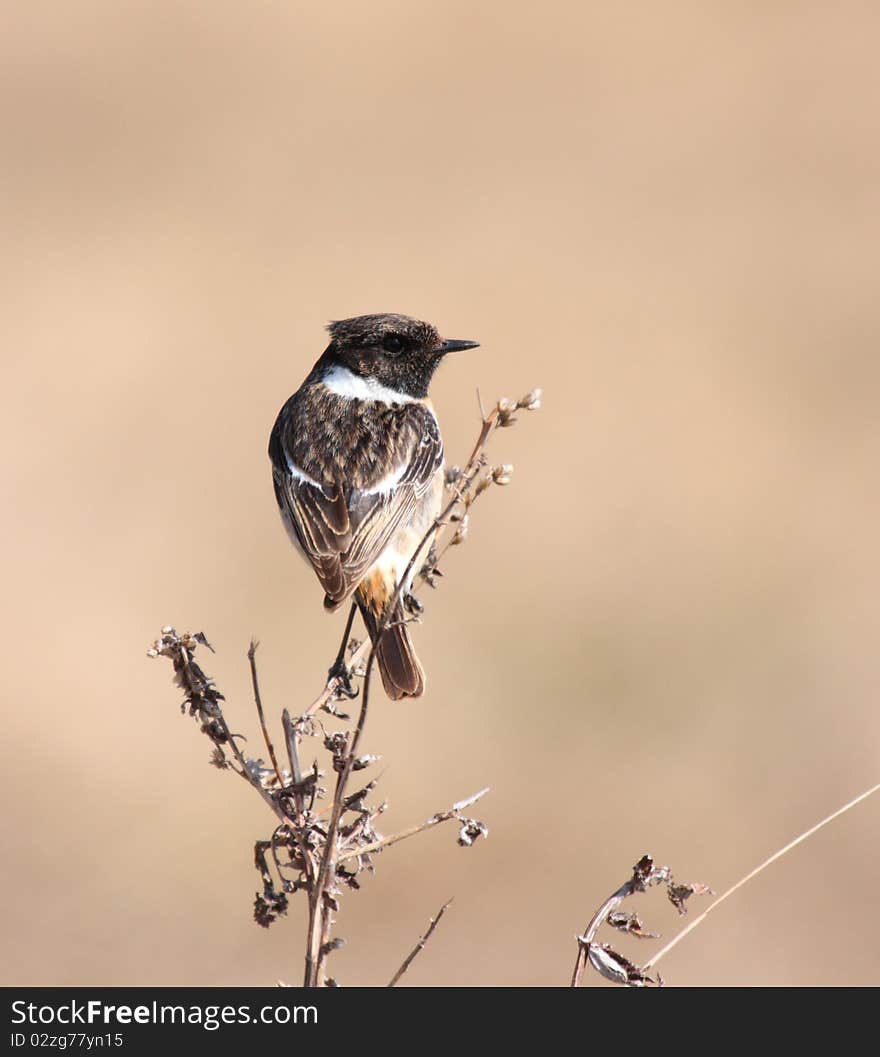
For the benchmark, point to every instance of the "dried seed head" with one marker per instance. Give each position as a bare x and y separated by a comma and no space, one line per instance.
645,874
531,401
615,967
630,923
680,893
360,762
218,759
471,830
333,708
260,774
336,742
501,474
269,906
460,533
505,411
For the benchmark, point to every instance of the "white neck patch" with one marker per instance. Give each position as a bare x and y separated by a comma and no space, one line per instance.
351,386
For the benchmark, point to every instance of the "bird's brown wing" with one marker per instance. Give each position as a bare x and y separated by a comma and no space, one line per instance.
343,531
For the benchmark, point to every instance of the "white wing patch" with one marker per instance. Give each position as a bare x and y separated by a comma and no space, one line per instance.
297,474
387,483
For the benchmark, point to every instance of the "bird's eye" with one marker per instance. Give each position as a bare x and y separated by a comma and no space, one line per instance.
392,343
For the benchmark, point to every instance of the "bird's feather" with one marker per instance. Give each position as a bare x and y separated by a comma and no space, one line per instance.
343,530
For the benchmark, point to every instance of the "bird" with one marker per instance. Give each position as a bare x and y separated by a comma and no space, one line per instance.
358,472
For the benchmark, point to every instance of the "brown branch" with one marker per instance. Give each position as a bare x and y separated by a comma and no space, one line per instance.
319,913
252,659
420,946
194,681
292,741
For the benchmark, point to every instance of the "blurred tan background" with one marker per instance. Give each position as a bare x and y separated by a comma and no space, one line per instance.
661,638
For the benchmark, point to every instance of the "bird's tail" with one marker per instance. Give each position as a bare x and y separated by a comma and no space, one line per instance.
402,675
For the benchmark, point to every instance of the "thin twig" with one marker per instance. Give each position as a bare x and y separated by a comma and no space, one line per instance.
292,742
471,468
480,405
758,869
420,946
252,658
319,917
229,739
434,820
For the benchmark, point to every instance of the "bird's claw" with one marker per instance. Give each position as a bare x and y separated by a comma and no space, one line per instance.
342,675
412,605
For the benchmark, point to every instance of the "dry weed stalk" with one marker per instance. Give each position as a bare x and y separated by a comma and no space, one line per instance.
420,946
760,869
319,851
603,958
614,966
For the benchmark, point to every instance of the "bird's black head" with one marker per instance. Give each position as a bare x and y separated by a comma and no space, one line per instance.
400,353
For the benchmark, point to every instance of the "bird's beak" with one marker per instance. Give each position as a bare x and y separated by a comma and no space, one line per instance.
454,345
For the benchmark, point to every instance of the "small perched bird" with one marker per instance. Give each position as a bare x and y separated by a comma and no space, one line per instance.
357,463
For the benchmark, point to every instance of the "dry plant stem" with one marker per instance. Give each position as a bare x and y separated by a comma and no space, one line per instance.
295,771
292,742
229,739
434,820
319,913
624,892
294,766
471,469
420,946
252,659
758,869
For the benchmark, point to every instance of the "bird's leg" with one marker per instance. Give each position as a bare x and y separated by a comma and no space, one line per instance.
339,670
